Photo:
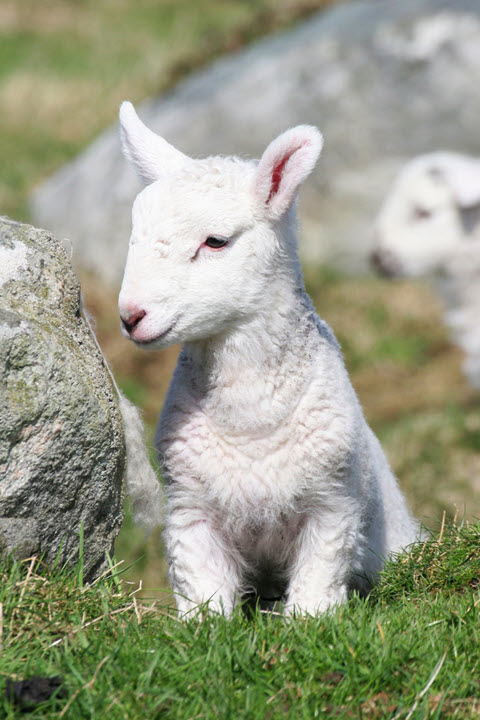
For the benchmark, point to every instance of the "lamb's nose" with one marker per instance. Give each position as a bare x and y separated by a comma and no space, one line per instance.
383,261
130,322
376,259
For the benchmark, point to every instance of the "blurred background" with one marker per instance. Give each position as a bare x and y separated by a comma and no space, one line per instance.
383,80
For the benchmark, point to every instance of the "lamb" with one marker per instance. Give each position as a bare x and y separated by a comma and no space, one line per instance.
275,483
429,225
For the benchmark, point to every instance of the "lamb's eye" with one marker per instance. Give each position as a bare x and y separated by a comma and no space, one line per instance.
216,242
421,213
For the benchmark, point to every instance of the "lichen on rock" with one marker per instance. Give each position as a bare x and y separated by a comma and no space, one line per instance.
62,452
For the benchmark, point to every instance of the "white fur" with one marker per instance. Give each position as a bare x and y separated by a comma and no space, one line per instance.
275,482
429,225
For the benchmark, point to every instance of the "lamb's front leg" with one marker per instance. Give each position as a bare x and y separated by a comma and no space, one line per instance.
322,564
201,567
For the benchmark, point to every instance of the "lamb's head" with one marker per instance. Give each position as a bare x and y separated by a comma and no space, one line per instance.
425,217
208,235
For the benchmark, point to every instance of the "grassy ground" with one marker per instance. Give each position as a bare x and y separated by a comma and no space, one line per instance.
410,651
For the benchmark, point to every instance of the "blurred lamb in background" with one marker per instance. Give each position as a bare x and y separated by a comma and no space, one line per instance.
416,62
429,225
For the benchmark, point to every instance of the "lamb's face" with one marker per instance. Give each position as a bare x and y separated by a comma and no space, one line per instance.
208,235
198,262
418,226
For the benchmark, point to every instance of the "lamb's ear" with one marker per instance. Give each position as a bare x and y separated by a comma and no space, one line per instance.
462,175
149,153
284,165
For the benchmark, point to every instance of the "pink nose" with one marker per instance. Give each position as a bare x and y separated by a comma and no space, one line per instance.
130,322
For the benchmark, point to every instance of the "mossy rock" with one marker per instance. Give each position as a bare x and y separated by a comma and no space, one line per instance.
62,451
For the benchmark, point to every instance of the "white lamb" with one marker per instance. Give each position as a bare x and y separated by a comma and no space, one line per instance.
429,225
275,482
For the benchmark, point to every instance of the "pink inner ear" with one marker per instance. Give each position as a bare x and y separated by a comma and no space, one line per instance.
277,176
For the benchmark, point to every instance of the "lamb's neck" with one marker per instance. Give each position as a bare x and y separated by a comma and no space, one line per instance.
249,378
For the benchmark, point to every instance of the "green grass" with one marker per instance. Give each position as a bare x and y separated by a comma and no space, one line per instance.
411,650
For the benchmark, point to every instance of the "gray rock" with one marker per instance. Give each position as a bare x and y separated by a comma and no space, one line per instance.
62,448
384,80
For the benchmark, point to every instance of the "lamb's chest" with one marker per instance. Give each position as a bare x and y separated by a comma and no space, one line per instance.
272,468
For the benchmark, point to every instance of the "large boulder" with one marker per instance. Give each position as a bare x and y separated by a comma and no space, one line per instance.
384,81
62,448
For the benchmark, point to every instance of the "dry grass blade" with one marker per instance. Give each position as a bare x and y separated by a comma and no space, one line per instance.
137,590
95,674
33,561
440,536
88,685
24,584
427,687
437,669
108,571
289,686
138,610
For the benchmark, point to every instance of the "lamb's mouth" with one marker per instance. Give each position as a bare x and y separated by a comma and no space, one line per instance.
160,336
